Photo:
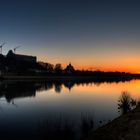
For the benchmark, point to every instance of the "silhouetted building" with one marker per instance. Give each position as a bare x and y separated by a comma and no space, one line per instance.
2,63
19,57
69,69
16,63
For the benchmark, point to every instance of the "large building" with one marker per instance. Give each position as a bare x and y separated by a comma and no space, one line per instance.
17,63
19,57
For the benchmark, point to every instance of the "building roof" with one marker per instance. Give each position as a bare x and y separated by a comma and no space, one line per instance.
11,53
19,57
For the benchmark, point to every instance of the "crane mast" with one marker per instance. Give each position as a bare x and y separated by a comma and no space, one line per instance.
1,46
16,48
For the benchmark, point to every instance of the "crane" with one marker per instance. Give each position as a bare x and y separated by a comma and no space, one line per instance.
16,48
1,47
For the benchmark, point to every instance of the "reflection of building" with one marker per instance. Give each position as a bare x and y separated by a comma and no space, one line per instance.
69,85
16,90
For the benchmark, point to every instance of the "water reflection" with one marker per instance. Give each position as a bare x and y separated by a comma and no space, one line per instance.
20,89
58,87
62,128
40,106
14,90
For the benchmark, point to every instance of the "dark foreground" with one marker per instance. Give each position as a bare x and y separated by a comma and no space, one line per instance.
126,127
33,122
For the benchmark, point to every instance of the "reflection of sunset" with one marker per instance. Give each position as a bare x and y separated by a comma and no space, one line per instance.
105,92
108,90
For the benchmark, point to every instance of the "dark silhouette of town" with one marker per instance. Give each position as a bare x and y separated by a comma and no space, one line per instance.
14,64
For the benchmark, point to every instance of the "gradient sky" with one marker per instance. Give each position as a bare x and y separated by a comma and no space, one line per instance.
91,34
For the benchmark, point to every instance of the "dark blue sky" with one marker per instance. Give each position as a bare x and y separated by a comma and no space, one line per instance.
81,31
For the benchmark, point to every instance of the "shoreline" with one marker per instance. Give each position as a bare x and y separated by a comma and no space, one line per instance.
65,77
125,127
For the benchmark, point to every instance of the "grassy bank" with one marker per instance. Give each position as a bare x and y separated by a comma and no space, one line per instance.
125,127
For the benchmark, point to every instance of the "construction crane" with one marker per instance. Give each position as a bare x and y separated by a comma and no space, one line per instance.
1,47
16,48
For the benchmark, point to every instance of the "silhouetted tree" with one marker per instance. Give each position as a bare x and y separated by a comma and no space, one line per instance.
126,103
46,66
49,67
58,68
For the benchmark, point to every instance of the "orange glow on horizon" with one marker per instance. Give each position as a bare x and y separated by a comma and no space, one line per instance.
125,65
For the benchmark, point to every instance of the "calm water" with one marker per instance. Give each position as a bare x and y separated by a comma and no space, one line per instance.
26,105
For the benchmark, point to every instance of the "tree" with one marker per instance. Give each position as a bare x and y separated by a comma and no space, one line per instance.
58,68
126,103
49,67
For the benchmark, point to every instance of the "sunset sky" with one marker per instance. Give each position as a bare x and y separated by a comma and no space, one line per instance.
91,34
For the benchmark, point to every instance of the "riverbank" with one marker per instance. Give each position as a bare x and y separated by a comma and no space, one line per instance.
125,127
66,78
